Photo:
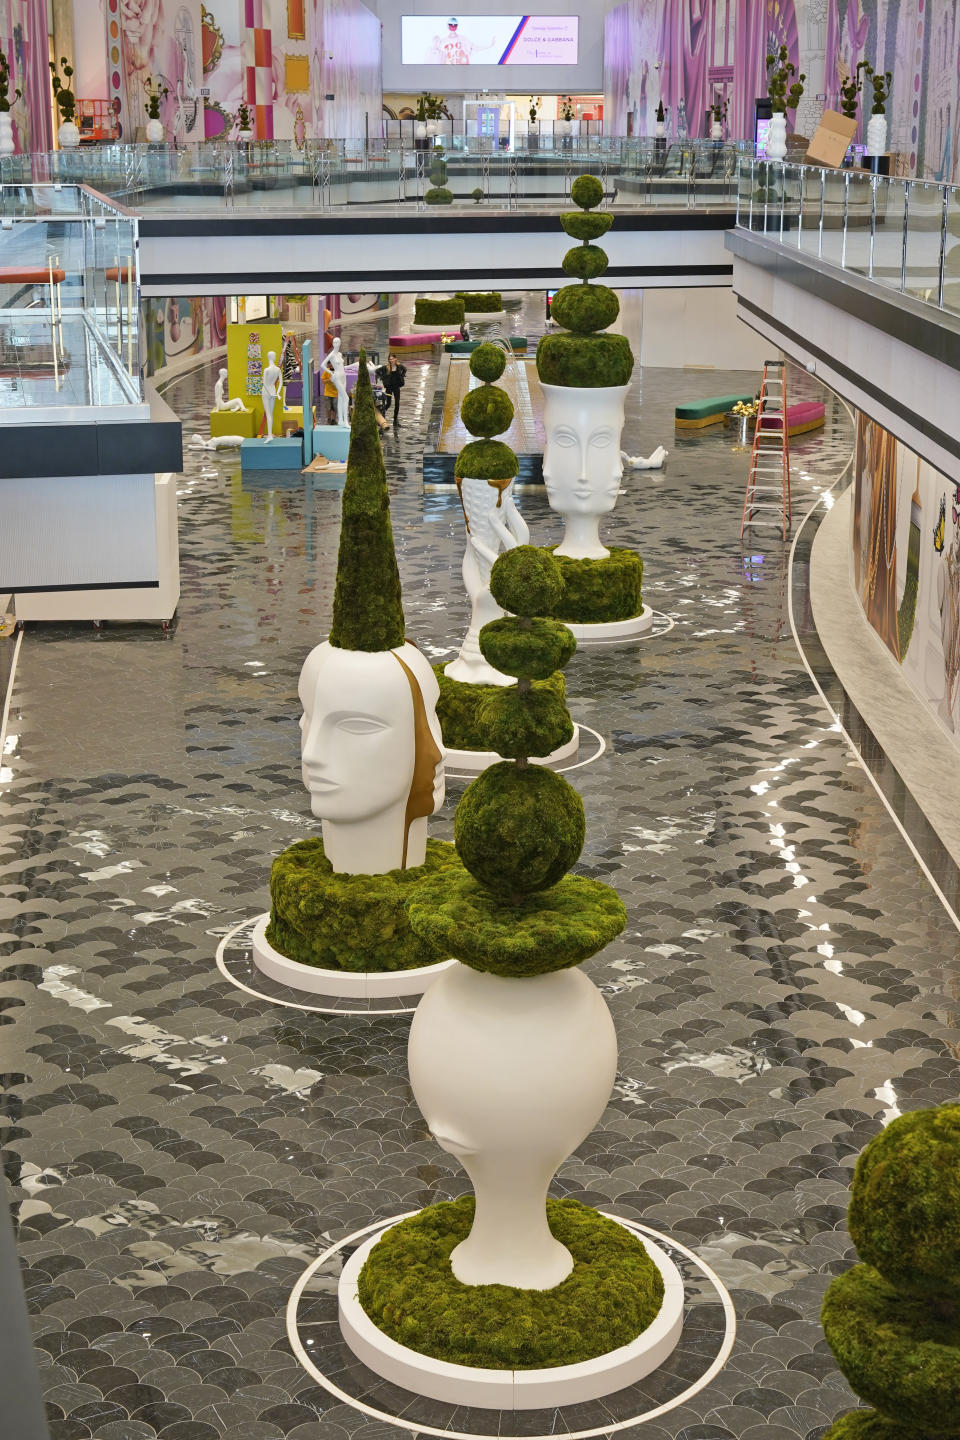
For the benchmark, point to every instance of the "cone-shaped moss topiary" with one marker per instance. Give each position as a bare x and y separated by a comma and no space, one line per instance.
520,827
367,605
585,359
893,1323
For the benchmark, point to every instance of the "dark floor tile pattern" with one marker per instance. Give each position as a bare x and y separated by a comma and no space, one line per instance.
179,1152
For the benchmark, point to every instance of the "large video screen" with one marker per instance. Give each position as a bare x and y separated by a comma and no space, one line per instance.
489,40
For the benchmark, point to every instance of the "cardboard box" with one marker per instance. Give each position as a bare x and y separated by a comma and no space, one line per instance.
831,140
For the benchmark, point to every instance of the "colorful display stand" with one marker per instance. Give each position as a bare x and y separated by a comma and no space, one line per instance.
279,454
331,441
247,349
233,422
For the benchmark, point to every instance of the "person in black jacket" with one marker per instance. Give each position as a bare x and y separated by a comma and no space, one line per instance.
391,376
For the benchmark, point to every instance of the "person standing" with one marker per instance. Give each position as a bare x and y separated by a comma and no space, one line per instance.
392,376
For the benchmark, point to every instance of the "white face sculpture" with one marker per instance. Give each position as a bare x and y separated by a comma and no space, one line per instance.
359,743
582,468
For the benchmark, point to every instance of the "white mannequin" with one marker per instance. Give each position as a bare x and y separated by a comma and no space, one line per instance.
271,389
582,468
333,366
366,759
652,462
220,400
216,442
511,1076
493,524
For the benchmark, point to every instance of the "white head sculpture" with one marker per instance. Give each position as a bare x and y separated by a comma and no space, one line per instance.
582,466
372,754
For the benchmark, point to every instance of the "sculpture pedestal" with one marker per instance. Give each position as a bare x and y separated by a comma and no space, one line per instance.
613,629
331,441
234,422
284,453
511,1389
346,984
473,761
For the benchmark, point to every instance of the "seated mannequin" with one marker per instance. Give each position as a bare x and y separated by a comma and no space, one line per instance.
216,442
220,397
652,462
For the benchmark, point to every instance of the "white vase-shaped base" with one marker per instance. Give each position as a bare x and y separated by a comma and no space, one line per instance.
582,465
511,1076
716,131
344,984
877,135
68,135
777,137
660,129
7,146
244,136
511,1389
155,132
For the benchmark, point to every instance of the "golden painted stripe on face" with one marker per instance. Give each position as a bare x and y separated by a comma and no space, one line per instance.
427,755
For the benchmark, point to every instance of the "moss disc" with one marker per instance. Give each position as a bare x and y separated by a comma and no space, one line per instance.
598,592
408,1289
533,652
587,362
349,922
585,308
548,931
458,708
580,226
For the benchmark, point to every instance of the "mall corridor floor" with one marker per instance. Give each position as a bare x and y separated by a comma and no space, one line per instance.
181,1149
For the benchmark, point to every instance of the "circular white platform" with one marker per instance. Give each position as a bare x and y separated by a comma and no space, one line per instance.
473,761
614,629
348,984
511,1389
451,328
483,317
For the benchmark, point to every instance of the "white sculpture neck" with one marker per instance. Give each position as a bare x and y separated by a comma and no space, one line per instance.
536,1261
581,540
378,842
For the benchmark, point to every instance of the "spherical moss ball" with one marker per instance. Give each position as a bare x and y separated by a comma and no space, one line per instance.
585,308
488,410
486,460
586,191
529,653
526,581
439,196
488,362
586,227
584,361
517,724
586,262
905,1202
519,830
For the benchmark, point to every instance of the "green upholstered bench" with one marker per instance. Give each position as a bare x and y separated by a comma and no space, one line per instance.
467,347
695,414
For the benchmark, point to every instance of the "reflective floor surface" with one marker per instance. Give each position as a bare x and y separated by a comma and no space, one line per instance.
180,1150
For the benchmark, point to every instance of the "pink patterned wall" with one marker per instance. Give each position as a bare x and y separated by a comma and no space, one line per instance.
686,50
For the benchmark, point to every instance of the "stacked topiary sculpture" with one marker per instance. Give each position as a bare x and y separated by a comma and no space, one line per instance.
372,760
485,472
512,1053
584,374
893,1322
438,194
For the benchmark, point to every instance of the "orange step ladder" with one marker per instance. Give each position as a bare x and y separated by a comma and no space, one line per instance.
768,480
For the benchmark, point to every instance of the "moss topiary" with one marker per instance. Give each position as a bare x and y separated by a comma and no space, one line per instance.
459,706
526,581
438,171
367,605
585,227
488,362
548,930
905,1203
519,829
439,195
585,308
349,922
586,191
893,1323
868,1425
531,653
486,460
438,312
584,361
585,261
479,302
409,1290
600,591
488,410
525,723
896,1351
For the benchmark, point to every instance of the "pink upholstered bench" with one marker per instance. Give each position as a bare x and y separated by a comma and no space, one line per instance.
808,415
424,341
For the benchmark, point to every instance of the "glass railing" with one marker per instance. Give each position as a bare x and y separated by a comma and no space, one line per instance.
901,233
70,333
535,172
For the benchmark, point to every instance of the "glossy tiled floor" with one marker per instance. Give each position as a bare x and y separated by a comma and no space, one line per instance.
180,1151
